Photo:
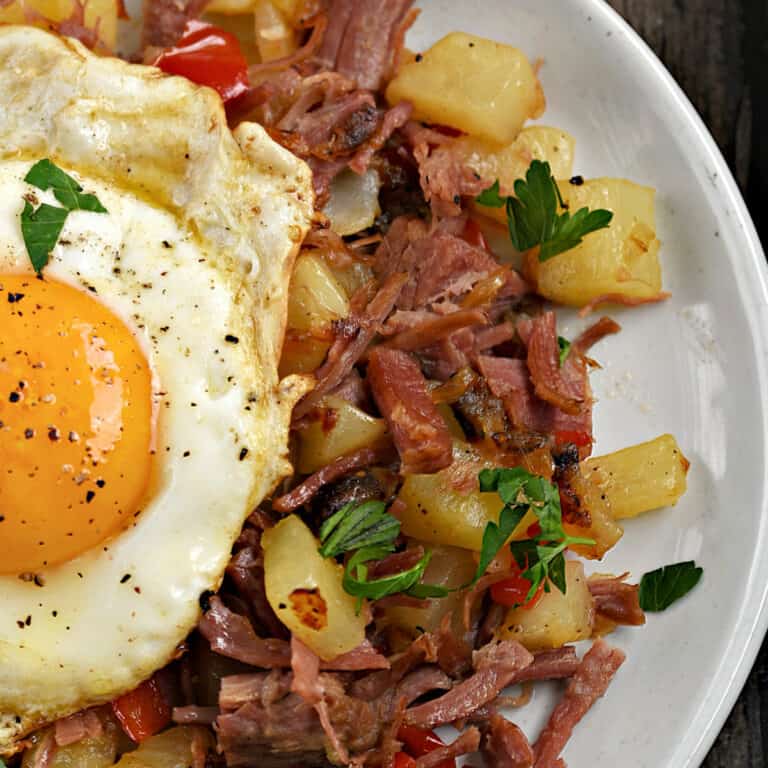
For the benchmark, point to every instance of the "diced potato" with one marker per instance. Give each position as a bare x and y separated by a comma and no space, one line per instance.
621,260
169,749
354,202
557,618
98,15
449,567
275,37
640,478
353,277
510,163
342,429
98,752
478,86
305,591
603,529
448,508
315,300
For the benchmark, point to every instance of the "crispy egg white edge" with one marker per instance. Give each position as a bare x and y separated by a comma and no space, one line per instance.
244,204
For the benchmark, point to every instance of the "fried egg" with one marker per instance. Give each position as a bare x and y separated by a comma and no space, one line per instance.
141,414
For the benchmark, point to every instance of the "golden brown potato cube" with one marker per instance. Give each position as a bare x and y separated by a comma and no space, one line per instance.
448,508
339,428
509,163
483,88
602,529
173,748
315,300
305,591
640,478
98,17
620,261
557,618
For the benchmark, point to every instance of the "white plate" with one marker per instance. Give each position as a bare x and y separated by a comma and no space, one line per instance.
694,366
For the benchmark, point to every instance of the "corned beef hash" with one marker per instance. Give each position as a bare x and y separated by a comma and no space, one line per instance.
295,464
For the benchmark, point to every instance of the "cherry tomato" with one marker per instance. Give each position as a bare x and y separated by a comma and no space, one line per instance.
421,742
513,591
404,761
143,711
210,56
578,438
474,235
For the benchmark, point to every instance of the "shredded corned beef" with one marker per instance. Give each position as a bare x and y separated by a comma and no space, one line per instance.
587,685
418,430
165,20
564,386
433,328
439,263
505,745
81,725
350,344
617,601
363,39
468,741
344,465
496,666
232,635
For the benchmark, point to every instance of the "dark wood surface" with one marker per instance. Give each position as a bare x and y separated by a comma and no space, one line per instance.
718,52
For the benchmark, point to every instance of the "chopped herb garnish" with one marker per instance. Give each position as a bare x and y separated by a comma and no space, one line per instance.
355,527
565,348
372,531
356,580
532,214
42,226
664,586
540,558
45,175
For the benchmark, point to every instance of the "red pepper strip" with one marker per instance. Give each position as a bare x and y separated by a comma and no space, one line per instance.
420,742
208,55
404,761
143,711
579,439
513,591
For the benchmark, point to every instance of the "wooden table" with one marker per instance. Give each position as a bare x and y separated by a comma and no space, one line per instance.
717,50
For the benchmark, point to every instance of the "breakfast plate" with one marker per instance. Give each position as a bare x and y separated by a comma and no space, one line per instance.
429,549
694,365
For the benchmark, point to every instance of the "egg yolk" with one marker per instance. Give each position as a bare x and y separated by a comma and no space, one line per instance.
76,424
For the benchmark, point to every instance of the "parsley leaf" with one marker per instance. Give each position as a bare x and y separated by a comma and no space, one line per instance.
370,530
45,175
354,527
532,214
356,582
491,197
41,228
541,558
662,587
565,348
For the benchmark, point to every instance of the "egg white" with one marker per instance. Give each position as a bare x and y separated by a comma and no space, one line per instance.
157,153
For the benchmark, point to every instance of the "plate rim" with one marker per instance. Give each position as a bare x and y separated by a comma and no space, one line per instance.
748,634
